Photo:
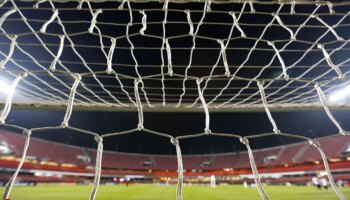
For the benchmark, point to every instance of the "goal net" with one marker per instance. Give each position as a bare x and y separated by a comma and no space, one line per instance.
175,56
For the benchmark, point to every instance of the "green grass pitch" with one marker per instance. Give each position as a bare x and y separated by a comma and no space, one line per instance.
154,192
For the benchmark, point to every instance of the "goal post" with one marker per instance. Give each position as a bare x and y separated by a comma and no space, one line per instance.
174,56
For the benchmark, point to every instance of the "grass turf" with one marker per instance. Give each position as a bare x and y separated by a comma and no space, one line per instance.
153,192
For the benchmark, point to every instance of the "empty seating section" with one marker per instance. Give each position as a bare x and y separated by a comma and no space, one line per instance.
241,160
332,147
270,157
125,161
197,162
268,154
113,160
223,161
165,163
15,141
287,155
45,150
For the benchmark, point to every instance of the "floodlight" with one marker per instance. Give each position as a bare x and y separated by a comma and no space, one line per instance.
347,90
337,96
5,88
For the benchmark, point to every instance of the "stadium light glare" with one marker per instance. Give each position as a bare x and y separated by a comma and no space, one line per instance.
347,89
5,88
338,96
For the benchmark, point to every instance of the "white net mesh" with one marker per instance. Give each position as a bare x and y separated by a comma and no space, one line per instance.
166,56
170,48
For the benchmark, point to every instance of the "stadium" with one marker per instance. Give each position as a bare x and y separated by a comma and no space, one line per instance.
62,164
174,99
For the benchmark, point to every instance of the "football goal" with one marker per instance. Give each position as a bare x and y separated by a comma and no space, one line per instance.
175,56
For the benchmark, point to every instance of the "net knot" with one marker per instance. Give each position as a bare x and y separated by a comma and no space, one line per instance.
109,69
224,57
244,140
190,23
144,22
64,124
199,80
314,143
320,2
36,6
77,76
121,6
139,104
59,53
252,10
170,63
276,131
23,74
260,83
138,80
292,8
13,37
98,139
232,13
94,20
208,8
207,131
320,46
317,85
27,132
174,141
330,7
343,132
80,5
336,26
140,127
165,6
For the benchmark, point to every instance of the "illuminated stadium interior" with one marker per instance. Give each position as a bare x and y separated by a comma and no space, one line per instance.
211,99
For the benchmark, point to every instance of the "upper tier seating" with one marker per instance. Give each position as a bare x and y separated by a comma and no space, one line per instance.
278,156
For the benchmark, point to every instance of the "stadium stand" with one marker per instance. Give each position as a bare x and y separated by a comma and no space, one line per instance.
115,160
45,150
332,147
222,160
300,157
165,162
197,162
287,155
